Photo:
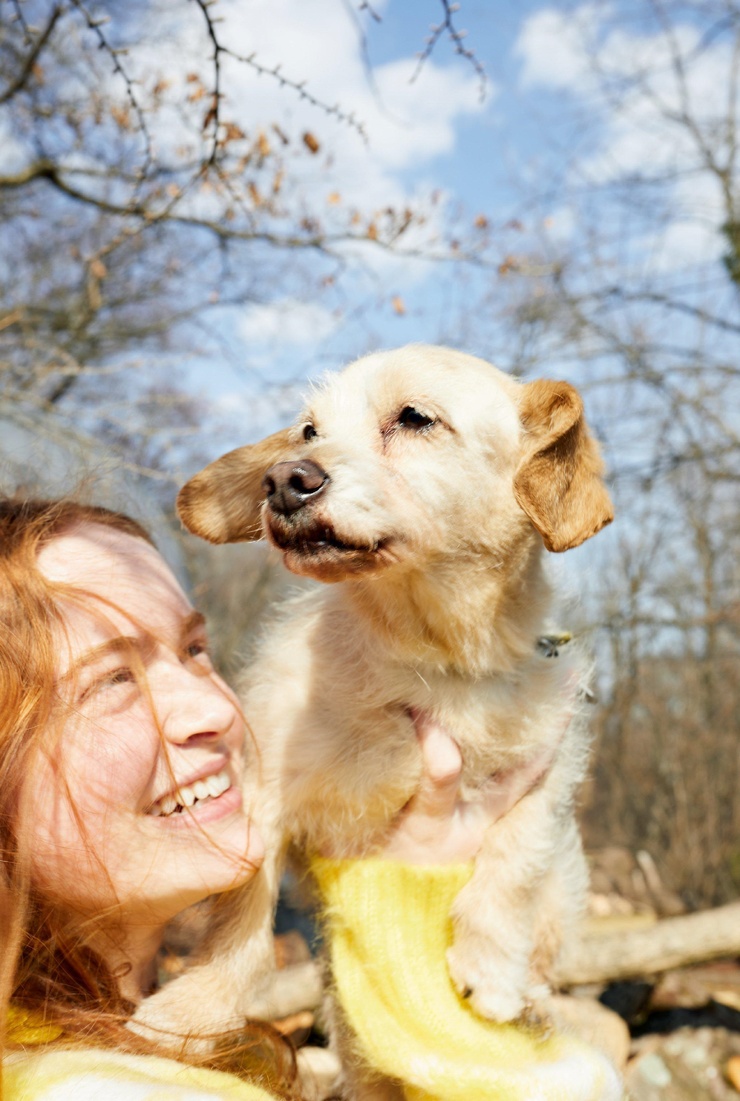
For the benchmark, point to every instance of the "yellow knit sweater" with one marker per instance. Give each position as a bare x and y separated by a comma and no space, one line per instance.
389,929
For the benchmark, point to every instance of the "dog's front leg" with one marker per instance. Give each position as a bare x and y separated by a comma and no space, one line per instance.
494,915
231,977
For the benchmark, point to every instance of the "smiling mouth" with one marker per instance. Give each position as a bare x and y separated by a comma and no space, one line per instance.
192,796
318,539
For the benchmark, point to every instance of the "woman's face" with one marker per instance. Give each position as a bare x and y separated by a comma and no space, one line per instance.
108,818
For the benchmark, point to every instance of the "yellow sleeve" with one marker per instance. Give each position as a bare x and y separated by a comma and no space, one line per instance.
389,929
88,1074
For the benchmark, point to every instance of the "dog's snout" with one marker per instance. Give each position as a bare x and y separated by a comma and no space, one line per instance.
289,486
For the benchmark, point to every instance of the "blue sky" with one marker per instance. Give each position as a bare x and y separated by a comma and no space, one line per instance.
473,153
544,148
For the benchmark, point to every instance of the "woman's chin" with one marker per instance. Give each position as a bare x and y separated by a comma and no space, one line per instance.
215,844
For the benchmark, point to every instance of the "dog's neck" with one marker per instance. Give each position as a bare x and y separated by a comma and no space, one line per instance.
440,617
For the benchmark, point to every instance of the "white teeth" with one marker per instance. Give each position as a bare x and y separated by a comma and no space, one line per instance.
218,784
168,804
210,788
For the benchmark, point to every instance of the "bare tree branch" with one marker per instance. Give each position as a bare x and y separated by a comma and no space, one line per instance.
32,57
456,37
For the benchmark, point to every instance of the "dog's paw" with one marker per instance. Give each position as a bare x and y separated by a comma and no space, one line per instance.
535,1019
181,1016
489,994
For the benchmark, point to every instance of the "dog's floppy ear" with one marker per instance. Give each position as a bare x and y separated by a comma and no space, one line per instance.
223,503
559,480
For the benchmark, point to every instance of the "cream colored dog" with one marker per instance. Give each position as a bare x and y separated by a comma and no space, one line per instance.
424,483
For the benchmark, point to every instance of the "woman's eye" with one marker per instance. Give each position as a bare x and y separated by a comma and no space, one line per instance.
309,432
412,418
111,679
198,649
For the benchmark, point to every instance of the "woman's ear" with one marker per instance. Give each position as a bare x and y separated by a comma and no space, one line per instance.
223,503
559,479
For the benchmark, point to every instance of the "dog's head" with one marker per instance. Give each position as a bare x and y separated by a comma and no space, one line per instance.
407,457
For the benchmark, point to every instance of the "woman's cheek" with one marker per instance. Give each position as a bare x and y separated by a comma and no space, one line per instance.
111,760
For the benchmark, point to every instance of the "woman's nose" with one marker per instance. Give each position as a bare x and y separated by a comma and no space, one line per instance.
190,703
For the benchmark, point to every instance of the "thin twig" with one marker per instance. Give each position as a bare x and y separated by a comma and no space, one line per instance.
274,72
456,38
33,55
95,25
366,6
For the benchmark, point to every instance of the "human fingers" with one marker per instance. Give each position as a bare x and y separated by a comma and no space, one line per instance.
439,787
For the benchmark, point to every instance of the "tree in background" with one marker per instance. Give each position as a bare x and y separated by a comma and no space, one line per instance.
145,192
630,286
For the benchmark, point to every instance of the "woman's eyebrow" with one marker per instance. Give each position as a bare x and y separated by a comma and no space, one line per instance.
143,644
191,623
119,644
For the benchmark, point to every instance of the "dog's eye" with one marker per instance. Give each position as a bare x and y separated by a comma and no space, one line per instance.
309,432
412,418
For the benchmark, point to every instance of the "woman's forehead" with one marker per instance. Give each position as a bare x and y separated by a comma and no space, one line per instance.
129,576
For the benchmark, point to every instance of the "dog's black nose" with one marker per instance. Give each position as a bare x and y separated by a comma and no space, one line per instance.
289,486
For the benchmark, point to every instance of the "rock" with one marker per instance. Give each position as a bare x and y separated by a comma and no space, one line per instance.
684,1066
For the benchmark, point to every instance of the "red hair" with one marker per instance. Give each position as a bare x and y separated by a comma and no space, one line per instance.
46,965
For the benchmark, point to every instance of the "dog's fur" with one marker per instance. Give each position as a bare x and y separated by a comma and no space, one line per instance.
434,533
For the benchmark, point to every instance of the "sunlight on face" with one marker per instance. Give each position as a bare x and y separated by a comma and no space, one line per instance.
110,828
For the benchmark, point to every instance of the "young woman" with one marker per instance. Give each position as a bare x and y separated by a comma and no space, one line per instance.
120,753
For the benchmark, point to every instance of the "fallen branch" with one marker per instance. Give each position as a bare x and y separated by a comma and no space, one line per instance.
670,943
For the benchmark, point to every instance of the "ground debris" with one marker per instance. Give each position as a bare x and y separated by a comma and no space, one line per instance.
687,1065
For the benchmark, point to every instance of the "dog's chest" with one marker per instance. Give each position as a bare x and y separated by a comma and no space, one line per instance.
331,709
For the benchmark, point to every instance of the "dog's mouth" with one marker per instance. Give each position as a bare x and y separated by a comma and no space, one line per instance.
317,540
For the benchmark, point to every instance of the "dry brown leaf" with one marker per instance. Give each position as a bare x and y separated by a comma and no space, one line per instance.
263,145
399,306
232,132
122,116
372,231
508,264
311,142
732,1072
334,198
254,193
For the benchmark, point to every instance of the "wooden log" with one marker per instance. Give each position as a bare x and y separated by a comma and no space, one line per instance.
668,944
596,958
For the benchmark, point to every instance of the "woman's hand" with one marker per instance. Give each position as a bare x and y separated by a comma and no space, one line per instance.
438,826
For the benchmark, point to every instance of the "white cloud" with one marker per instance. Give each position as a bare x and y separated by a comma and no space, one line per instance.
552,47
629,81
407,124
286,322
